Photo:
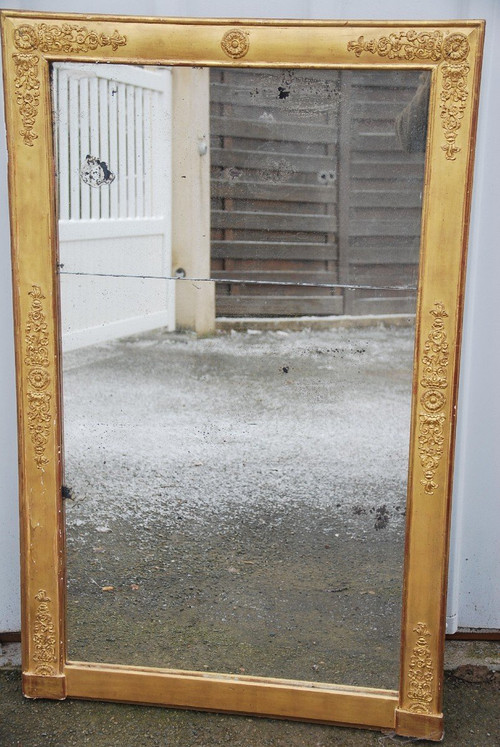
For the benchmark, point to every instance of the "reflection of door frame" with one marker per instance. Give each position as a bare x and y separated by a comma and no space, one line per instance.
195,303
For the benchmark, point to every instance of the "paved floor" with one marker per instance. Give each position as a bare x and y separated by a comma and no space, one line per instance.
238,502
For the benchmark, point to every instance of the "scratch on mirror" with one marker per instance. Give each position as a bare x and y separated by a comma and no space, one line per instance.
350,286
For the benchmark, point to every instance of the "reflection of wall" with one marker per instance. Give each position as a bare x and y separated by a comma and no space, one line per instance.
120,115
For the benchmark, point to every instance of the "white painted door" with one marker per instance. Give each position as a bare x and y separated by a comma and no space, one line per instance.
113,161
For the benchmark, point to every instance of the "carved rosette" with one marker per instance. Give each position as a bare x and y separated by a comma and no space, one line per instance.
47,38
435,381
451,51
420,672
38,379
44,638
235,43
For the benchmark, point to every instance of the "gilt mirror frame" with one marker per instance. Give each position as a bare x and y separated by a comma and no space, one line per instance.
451,51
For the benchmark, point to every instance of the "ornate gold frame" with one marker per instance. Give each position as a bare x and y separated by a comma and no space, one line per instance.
452,52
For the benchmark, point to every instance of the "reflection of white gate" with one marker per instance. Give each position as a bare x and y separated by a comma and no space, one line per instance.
120,115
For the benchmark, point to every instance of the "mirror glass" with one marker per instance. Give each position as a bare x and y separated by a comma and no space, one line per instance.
238,259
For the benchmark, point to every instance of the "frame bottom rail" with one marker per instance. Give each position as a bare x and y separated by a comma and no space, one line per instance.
233,694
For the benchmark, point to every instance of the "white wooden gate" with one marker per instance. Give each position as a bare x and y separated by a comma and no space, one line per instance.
120,116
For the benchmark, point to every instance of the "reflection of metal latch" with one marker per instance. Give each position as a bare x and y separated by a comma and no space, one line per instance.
95,173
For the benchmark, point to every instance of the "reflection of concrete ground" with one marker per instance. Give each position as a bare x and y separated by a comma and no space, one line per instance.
243,496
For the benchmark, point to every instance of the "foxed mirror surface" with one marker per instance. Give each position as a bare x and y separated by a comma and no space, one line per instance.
235,490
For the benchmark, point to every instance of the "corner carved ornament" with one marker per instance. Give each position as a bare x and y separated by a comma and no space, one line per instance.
450,51
46,38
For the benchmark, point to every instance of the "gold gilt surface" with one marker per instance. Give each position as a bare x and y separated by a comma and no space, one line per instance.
452,51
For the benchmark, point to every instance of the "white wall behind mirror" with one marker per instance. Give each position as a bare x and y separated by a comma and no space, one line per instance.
474,565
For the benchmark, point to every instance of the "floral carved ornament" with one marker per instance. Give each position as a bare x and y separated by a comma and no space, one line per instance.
46,38
44,638
420,673
432,419
38,379
451,51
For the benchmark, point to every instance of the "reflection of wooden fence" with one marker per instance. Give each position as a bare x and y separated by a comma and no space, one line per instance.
312,187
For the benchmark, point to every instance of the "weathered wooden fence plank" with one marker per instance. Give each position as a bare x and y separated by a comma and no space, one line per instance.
321,182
